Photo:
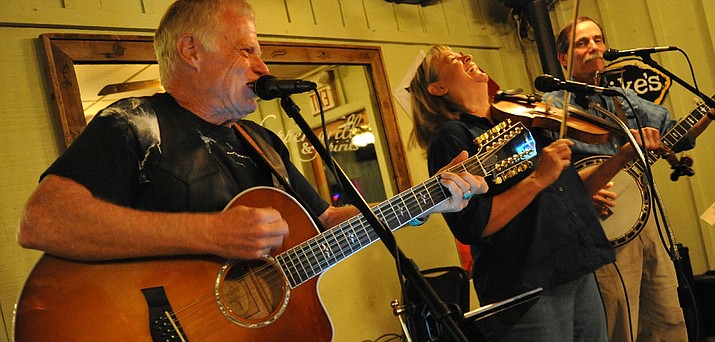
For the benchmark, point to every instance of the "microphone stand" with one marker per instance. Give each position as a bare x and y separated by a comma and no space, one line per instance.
407,266
647,59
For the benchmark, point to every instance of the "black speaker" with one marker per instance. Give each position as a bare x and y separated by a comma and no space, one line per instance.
705,291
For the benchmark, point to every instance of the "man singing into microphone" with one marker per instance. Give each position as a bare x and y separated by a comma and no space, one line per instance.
649,276
150,176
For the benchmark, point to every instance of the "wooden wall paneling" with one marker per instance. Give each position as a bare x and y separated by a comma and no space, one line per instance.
155,8
328,13
409,19
300,13
81,4
353,15
474,16
454,19
435,21
270,11
135,14
380,16
123,6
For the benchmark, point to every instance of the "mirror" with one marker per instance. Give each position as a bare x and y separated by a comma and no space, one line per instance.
339,70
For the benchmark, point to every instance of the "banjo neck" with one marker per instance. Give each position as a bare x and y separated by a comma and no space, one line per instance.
670,138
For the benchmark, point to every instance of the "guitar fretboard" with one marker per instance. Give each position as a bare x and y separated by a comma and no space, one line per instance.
323,251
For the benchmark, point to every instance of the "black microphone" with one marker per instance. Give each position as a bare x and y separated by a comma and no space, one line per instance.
612,54
548,83
269,87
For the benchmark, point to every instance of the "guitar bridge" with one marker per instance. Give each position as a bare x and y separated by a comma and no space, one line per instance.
162,323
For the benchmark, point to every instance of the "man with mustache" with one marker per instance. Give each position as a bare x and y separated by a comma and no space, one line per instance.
651,311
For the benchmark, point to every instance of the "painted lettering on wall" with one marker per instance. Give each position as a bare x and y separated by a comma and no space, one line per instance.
647,82
340,135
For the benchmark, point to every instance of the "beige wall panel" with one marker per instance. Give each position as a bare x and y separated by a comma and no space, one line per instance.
380,15
353,14
27,146
135,14
271,12
300,12
410,19
328,13
434,19
82,4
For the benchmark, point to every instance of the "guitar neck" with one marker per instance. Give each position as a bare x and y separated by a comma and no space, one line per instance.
323,251
677,133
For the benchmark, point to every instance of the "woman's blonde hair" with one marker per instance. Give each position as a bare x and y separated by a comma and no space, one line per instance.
201,18
429,111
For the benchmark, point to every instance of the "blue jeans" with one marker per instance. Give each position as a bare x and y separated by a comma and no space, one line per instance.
570,312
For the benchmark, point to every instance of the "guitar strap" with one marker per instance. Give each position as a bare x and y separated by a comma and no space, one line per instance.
619,110
275,164
269,156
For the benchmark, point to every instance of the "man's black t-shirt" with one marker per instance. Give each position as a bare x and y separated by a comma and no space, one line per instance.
150,153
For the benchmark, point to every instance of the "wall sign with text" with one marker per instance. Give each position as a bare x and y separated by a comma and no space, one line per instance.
327,96
632,73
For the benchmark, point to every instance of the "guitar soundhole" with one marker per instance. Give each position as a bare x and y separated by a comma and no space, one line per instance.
252,293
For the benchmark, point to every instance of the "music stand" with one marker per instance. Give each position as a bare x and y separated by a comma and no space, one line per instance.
487,323
493,321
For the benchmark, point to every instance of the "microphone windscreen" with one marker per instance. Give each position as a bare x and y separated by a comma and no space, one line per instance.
261,87
546,83
610,54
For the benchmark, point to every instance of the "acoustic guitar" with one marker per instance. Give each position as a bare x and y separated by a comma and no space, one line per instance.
207,298
624,222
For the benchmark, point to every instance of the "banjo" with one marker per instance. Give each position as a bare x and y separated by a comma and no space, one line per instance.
627,220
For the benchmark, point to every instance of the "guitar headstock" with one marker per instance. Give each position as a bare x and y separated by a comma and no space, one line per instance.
504,151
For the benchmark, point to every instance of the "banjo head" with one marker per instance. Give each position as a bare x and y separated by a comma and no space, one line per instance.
627,219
